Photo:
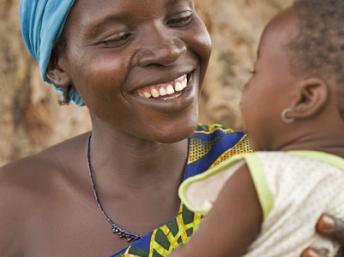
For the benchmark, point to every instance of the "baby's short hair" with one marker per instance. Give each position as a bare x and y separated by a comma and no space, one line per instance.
318,48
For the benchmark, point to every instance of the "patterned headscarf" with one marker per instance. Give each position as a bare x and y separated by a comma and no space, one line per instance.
42,23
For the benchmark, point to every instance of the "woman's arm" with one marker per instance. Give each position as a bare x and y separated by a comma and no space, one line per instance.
332,228
232,224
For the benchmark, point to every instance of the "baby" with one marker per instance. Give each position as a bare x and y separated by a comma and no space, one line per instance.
266,204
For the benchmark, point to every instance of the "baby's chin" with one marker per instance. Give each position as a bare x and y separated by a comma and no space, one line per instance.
254,144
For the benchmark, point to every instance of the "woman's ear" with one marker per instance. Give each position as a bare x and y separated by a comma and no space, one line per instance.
56,71
312,95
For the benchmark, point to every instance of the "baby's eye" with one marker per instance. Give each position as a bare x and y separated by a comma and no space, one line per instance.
180,20
253,69
249,71
117,40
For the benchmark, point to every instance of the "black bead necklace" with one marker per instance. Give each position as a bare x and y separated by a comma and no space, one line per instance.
116,229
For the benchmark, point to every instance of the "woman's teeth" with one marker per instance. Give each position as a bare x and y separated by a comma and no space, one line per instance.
165,89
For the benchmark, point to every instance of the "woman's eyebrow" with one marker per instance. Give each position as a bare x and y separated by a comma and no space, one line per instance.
96,27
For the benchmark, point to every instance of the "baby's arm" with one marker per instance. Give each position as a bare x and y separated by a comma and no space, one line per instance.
232,224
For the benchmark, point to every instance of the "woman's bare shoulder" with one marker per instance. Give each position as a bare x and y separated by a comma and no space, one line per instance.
27,184
42,165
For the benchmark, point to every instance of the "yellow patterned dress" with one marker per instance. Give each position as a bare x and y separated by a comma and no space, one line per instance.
208,147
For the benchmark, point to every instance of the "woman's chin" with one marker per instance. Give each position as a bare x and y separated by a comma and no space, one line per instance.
173,129
174,135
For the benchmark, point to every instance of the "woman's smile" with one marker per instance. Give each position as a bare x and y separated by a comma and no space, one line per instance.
167,96
164,90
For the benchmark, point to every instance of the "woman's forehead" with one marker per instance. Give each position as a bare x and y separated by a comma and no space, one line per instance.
89,16
96,9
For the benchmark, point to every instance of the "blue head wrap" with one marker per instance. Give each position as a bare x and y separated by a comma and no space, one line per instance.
42,23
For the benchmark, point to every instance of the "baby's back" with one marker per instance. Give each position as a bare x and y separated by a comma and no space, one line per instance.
302,186
294,189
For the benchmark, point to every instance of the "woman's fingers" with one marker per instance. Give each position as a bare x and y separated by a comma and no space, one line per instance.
311,252
340,252
331,228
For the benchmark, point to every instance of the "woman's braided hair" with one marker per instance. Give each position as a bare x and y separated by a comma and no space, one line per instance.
318,49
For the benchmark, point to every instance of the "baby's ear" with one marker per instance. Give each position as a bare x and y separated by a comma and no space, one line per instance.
312,96
56,71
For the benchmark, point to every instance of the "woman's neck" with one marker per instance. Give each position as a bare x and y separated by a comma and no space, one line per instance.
128,161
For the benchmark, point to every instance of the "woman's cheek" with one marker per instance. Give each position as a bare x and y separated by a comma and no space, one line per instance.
200,44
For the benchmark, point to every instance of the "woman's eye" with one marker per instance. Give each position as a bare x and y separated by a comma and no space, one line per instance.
117,40
181,19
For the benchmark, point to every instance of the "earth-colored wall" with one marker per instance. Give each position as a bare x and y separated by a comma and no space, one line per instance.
31,119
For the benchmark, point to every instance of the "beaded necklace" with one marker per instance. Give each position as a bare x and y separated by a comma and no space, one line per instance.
116,229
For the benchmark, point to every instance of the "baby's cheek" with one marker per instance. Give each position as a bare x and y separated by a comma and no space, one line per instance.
245,103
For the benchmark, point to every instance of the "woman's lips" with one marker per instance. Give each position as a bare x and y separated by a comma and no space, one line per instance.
165,90
169,103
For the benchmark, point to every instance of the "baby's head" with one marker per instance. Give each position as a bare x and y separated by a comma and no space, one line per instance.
296,92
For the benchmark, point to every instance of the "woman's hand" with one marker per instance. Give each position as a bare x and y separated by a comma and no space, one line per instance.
331,228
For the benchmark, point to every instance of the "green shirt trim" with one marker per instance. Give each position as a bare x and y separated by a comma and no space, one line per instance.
258,176
184,187
256,170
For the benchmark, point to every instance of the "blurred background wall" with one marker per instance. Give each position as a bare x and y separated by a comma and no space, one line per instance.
31,119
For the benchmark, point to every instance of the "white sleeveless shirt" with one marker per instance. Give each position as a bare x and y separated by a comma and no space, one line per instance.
294,189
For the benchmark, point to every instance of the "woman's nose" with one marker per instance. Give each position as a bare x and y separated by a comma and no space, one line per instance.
160,49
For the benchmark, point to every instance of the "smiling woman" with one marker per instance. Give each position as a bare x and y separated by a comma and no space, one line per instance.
113,51
138,66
